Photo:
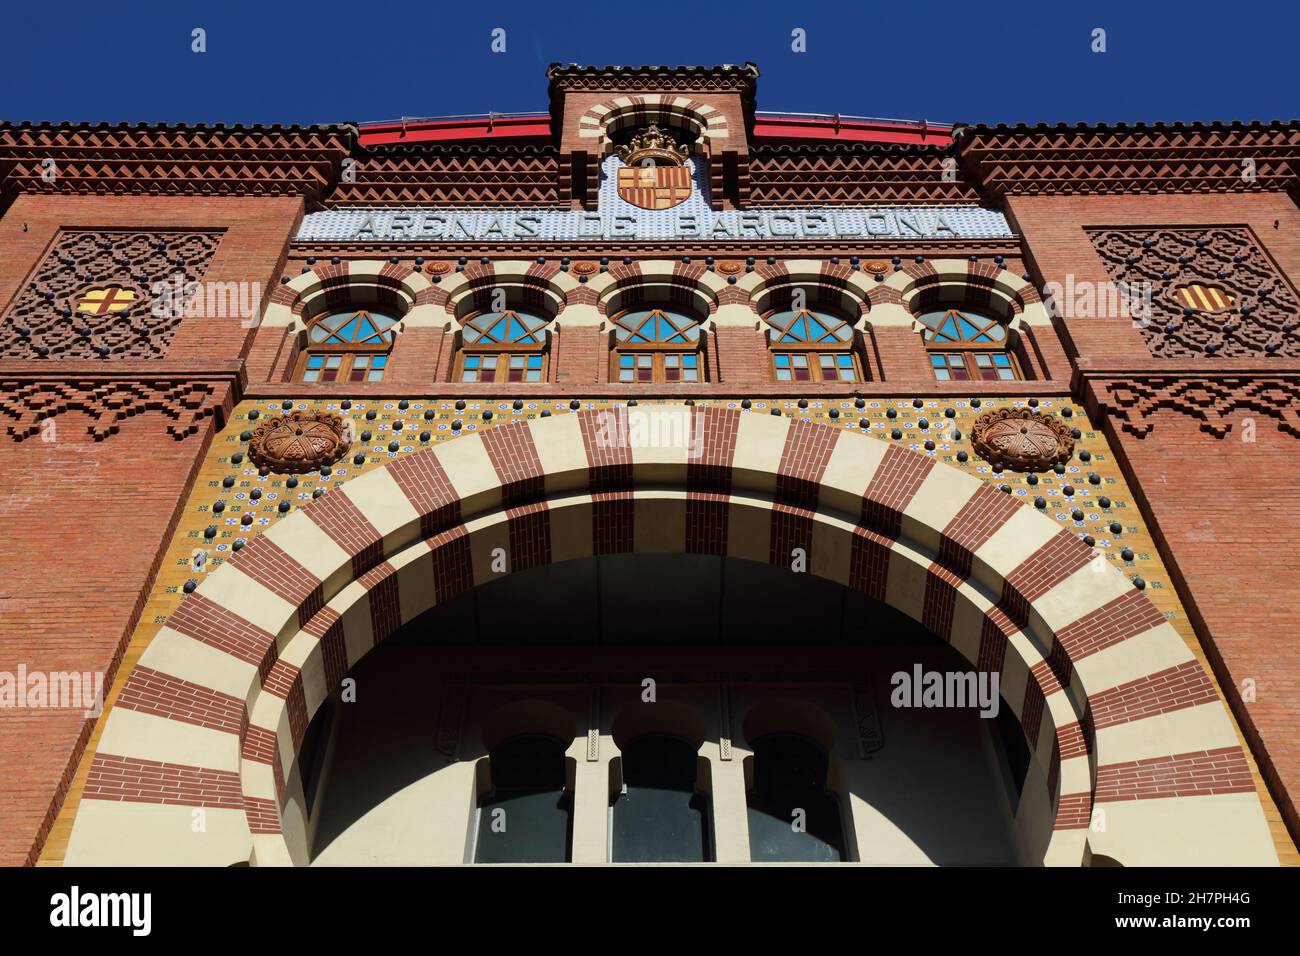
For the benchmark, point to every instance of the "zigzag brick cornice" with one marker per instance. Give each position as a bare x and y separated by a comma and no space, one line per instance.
29,407
457,175
171,159
1158,158
833,175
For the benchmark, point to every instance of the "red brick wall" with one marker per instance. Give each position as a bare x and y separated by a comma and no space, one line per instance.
86,521
1225,511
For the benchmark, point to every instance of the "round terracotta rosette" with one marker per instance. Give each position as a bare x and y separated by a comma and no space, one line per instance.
298,442
1021,439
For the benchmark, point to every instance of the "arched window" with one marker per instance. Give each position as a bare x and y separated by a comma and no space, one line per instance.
792,816
965,345
811,346
506,346
351,345
527,816
657,345
659,816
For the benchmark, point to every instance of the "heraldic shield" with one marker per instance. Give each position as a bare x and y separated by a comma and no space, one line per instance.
654,187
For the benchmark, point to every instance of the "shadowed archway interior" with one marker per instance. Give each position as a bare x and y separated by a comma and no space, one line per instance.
713,632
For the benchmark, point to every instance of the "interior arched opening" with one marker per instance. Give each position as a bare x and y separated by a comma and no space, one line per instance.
766,675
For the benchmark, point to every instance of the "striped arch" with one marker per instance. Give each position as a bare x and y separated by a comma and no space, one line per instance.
703,123
1116,711
954,281
830,285
543,286
336,285
627,285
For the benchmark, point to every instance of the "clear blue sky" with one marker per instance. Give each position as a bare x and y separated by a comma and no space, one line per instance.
354,60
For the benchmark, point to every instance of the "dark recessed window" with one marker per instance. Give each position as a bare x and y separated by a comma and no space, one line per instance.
792,816
527,817
659,816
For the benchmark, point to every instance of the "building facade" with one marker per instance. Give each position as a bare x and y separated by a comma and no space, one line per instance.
652,479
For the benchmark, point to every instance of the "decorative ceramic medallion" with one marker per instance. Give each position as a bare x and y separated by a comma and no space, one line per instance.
584,267
1021,439
731,267
299,442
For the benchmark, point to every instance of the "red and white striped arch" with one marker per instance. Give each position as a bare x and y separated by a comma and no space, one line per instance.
1116,710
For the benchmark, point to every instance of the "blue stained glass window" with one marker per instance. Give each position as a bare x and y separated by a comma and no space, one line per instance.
656,325
511,327
961,325
806,325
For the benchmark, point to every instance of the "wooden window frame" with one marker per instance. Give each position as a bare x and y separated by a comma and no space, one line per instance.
348,350
503,354
349,357
831,347
814,365
967,350
658,350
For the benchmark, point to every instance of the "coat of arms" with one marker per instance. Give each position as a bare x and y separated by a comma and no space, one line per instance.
654,173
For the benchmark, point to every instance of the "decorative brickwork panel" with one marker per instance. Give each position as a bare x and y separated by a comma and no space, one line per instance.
1218,403
107,295
1214,291
837,175
30,405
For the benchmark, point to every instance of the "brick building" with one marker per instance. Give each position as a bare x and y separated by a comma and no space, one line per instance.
654,453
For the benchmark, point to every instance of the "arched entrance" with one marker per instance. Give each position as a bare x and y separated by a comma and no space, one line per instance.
1079,652
740,658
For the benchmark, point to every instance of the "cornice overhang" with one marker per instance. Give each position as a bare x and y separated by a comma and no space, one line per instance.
172,159
1122,158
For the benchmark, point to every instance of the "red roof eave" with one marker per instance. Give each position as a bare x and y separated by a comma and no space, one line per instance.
791,129
513,128
769,128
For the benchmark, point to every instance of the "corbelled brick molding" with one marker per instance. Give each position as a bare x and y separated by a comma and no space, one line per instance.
213,716
1221,402
652,79
1048,160
845,174
158,272
168,160
452,175
187,405
1213,291
990,162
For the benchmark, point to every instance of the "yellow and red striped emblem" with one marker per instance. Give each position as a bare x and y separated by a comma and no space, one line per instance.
100,301
654,187
1204,298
